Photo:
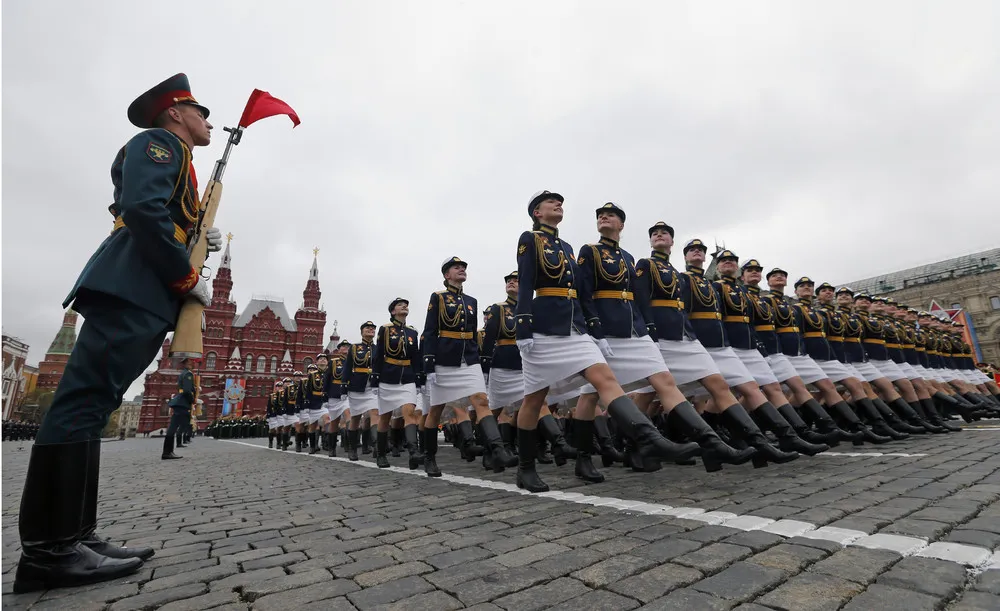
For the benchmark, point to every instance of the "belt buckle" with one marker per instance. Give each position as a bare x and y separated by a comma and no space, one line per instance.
624,295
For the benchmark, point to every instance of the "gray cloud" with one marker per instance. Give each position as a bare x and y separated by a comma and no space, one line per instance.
839,142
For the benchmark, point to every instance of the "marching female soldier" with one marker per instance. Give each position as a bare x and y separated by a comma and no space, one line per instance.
336,395
357,375
274,417
315,397
451,364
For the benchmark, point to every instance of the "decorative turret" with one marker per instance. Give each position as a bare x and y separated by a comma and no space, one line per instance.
235,363
66,336
222,285
331,347
286,367
310,296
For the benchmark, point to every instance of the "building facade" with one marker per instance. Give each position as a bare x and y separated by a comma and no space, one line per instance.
15,352
50,370
971,283
257,345
128,416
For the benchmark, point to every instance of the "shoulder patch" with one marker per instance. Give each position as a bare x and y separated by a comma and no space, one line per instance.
638,271
158,153
521,249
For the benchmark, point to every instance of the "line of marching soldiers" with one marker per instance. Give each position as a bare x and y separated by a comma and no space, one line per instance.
233,427
635,361
15,430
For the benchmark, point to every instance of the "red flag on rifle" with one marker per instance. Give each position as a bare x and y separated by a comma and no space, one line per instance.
262,105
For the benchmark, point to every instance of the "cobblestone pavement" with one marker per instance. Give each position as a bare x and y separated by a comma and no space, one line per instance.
237,526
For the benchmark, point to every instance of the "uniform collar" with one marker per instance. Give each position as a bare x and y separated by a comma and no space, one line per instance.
806,300
453,289
608,242
777,292
511,301
662,256
549,229
366,341
395,322
728,280
697,271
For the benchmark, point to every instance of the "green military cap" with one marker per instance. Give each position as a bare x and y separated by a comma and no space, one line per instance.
309,367
613,208
695,243
322,355
880,299
804,280
175,90
726,255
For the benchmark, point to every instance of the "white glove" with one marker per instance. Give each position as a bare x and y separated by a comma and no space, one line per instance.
605,347
201,292
214,237
525,345
431,380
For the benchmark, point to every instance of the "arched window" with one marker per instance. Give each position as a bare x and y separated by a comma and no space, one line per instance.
261,364
251,336
249,364
277,337
306,363
995,302
274,364
210,361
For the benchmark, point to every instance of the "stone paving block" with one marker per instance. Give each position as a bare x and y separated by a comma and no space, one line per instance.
976,601
585,538
935,577
714,557
155,599
174,569
65,597
543,596
979,538
202,575
389,573
740,582
501,583
532,553
865,525
709,534
988,581
823,544
819,516
598,600
450,578
465,554
688,600
856,564
666,549
656,582
657,532
611,570
756,540
982,523
925,529
811,592
352,569
569,562
295,597
788,558
950,514
390,592
324,561
242,579
886,598
431,601
211,600
618,545
279,560
393,552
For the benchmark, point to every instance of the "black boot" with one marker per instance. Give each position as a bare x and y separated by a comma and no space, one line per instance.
397,441
548,427
830,439
964,409
815,413
741,425
366,440
413,446
849,421
895,420
543,458
606,444
88,528
50,523
270,440
509,438
331,442
527,448
583,437
467,441
769,419
430,452
353,439
634,424
298,441
382,449
935,418
924,418
878,423
313,442
715,452
501,458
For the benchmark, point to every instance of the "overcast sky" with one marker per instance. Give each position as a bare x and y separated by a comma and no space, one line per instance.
837,142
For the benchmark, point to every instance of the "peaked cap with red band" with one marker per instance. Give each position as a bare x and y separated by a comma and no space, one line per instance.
175,90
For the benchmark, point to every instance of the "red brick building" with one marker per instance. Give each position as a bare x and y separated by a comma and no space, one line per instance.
50,370
258,345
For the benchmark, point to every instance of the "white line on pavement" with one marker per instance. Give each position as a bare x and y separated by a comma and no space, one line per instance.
975,558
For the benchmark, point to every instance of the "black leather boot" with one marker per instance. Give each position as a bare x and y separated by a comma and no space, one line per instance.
353,438
815,413
963,409
549,428
878,423
894,420
430,452
331,442
499,454
769,419
802,429
508,436
366,440
50,523
270,440
467,441
396,441
543,457
527,449
908,415
634,424
412,436
168,448
382,449
298,441
715,452
606,444
88,527
742,426
313,442
634,460
935,418
847,419
584,439
925,421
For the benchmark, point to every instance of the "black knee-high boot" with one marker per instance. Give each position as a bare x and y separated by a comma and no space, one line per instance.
770,419
814,412
635,425
508,436
932,414
847,419
501,458
916,407
527,449
741,425
715,451
908,415
366,440
467,441
606,443
382,449
411,435
879,424
270,439
963,409
894,420
583,431
395,441
430,452
353,439
561,450
313,442
830,439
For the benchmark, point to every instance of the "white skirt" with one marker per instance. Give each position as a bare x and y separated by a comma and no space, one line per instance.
456,383
834,369
633,361
362,402
754,361
424,403
316,414
303,416
336,407
394,396
889,369
506,389
558,361
274,422
807,368
781,367
730,366
869,373
288,419
936,375
687,360
911,373
980,376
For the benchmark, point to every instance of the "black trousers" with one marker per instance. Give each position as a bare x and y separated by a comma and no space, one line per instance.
117,341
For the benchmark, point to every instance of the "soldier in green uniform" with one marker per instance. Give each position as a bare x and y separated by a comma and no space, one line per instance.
180,409
129,293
